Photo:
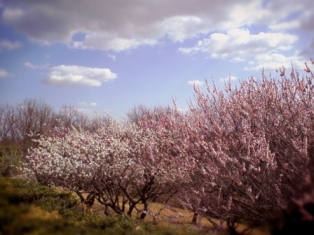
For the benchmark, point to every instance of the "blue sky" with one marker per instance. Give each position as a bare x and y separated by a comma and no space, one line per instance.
113,55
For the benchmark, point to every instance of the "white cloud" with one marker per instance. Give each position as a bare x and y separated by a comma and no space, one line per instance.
13,15
32,66
86,104
238,59
229,78
285,25
113,57
64,75
9,45
240,43
3,73
247,14
195,82
179,28
105,41
274,61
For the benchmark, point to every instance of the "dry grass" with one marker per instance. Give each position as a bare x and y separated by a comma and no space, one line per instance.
43,216
177,218
36,212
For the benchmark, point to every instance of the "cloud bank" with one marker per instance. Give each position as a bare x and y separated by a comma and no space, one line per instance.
220,29
125,25
241,43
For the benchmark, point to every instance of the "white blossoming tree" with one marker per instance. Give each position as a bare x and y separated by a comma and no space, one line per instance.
119,164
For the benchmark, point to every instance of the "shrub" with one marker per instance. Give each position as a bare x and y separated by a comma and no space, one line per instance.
10,160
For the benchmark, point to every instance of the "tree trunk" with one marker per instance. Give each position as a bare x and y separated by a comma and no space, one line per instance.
106,212
131,207
144,212
124,201
194,219
232,224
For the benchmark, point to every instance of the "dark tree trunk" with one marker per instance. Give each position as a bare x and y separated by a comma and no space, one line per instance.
106,212
144,212
131,208
124,201
232,224
194,219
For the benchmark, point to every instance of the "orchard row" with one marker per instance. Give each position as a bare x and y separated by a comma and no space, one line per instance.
237,153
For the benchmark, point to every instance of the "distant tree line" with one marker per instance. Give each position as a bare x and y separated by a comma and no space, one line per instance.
36,117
